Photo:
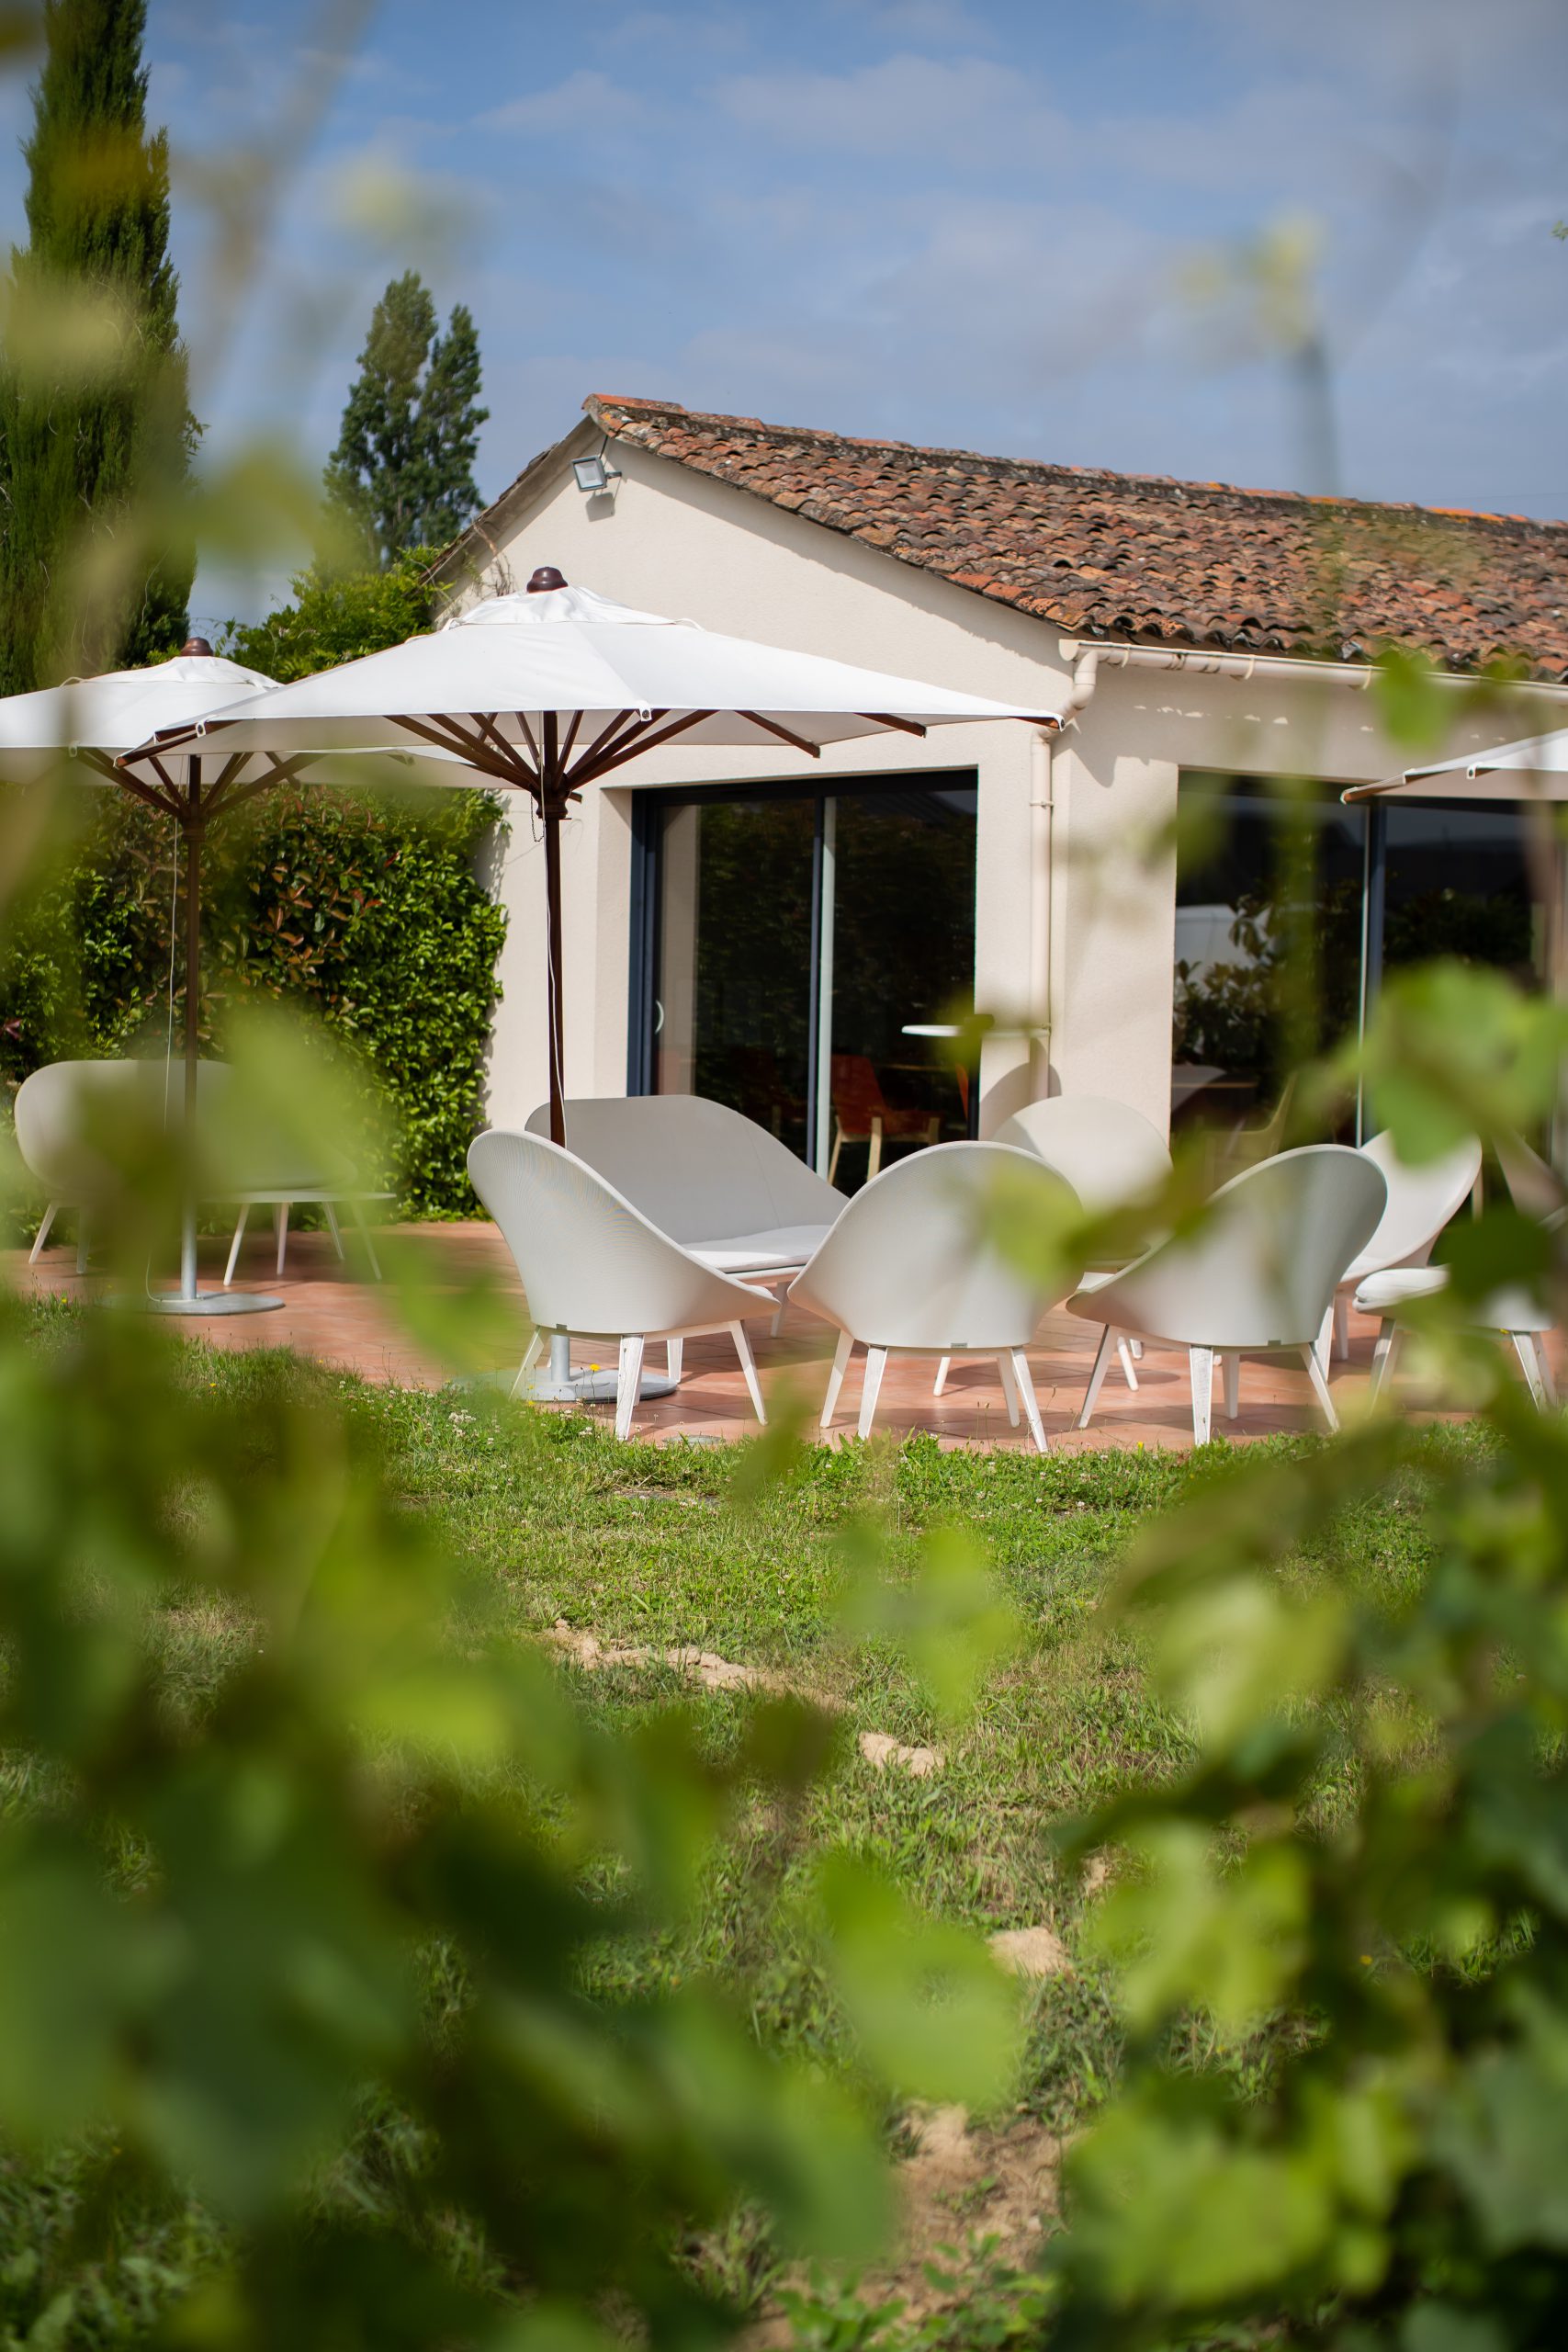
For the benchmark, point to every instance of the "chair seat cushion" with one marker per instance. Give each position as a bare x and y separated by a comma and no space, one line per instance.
1512,1309
782,1245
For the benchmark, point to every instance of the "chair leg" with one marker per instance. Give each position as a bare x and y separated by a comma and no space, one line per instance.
1390,1337
1025,1380
1325,1342
874,1156
675,1353
1010,1387
747,1365
1320,1386
1128,1364
838,1146
776,1325
1524,1348
1547,1382
535,1348
876,1365
1232,1367
1201,1369
1136,1349
333,1228
1342,1324
240,1224
363,1223
841,1355
943,1368
280,1226
51,1213
1097,1377
629,1384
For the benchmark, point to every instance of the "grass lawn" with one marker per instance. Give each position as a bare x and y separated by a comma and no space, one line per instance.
659,1548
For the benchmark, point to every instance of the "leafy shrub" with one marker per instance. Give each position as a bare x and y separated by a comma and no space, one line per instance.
367,912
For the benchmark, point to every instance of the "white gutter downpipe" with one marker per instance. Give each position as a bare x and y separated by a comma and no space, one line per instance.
1043,863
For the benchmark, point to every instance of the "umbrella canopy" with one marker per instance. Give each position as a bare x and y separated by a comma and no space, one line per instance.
556,688
1536,769
98,723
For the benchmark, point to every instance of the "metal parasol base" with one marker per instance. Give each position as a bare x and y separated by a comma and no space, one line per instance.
555,1383
203,1302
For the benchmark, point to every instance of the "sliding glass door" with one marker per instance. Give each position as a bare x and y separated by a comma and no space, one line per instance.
1291,907
808,959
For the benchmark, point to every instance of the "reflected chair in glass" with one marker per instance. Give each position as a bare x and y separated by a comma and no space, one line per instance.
862,1114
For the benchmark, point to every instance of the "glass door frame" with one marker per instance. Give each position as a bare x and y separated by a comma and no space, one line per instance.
648,804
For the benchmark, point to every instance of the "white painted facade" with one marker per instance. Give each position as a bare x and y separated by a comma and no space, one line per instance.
1075,860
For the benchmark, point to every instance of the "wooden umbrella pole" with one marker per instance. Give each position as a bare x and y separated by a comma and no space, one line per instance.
194,828
552,796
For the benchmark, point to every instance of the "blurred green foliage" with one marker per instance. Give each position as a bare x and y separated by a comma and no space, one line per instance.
336,616
96,433
366,910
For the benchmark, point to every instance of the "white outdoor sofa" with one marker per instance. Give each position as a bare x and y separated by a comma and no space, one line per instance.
66,1114
722,1187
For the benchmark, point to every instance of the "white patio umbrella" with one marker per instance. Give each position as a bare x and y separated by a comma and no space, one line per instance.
556,688
97,724
1535,769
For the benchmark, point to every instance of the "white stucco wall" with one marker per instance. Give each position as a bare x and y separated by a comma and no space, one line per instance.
1075,864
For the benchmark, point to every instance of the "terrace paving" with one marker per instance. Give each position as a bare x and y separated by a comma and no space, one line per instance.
355,1324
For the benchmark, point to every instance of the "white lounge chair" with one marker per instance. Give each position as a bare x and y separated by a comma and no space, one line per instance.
710,1177
910,1270
1255,1277
1512,1313
1108,1153
1421,1202
593,1267
66,1114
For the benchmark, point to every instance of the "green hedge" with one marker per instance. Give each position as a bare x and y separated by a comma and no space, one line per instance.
372,915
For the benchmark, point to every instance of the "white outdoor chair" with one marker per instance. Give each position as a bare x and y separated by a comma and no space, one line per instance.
65,1117
910,1270
1511,1312
593,1267
1421,1202
1255,1277
1108,1153
710,1177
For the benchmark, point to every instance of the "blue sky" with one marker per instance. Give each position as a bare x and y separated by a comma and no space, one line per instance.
969,223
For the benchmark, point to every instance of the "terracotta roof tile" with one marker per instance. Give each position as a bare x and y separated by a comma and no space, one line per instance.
1141,556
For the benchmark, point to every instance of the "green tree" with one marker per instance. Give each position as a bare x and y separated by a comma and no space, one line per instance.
95,428
337,616
402,473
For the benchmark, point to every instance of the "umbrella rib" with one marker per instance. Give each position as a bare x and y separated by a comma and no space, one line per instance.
134,784
772,727
522,718
508,752
603,736
885,718
618,754
476,754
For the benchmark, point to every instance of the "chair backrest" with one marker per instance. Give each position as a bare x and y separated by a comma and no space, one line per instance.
1108,1153
1261,1266
1534,1186
911,1262
697,1169
68,1115
1420,1202
588,1259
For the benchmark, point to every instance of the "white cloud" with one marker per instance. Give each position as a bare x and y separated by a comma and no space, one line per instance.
964,110
587,104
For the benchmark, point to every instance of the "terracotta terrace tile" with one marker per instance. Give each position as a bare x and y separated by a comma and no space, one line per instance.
353,1324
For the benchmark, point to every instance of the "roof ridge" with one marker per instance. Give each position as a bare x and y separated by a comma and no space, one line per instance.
602,407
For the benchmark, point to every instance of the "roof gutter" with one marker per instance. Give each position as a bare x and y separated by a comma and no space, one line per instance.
1203,663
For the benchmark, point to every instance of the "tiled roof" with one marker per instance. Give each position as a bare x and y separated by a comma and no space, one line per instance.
1139,558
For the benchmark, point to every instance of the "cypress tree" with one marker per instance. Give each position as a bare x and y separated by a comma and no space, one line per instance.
95,428
402,473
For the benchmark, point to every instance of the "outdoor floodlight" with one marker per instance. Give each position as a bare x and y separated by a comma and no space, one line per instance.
595,473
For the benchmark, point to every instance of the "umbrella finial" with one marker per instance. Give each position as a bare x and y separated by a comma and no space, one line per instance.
546,577
196,645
